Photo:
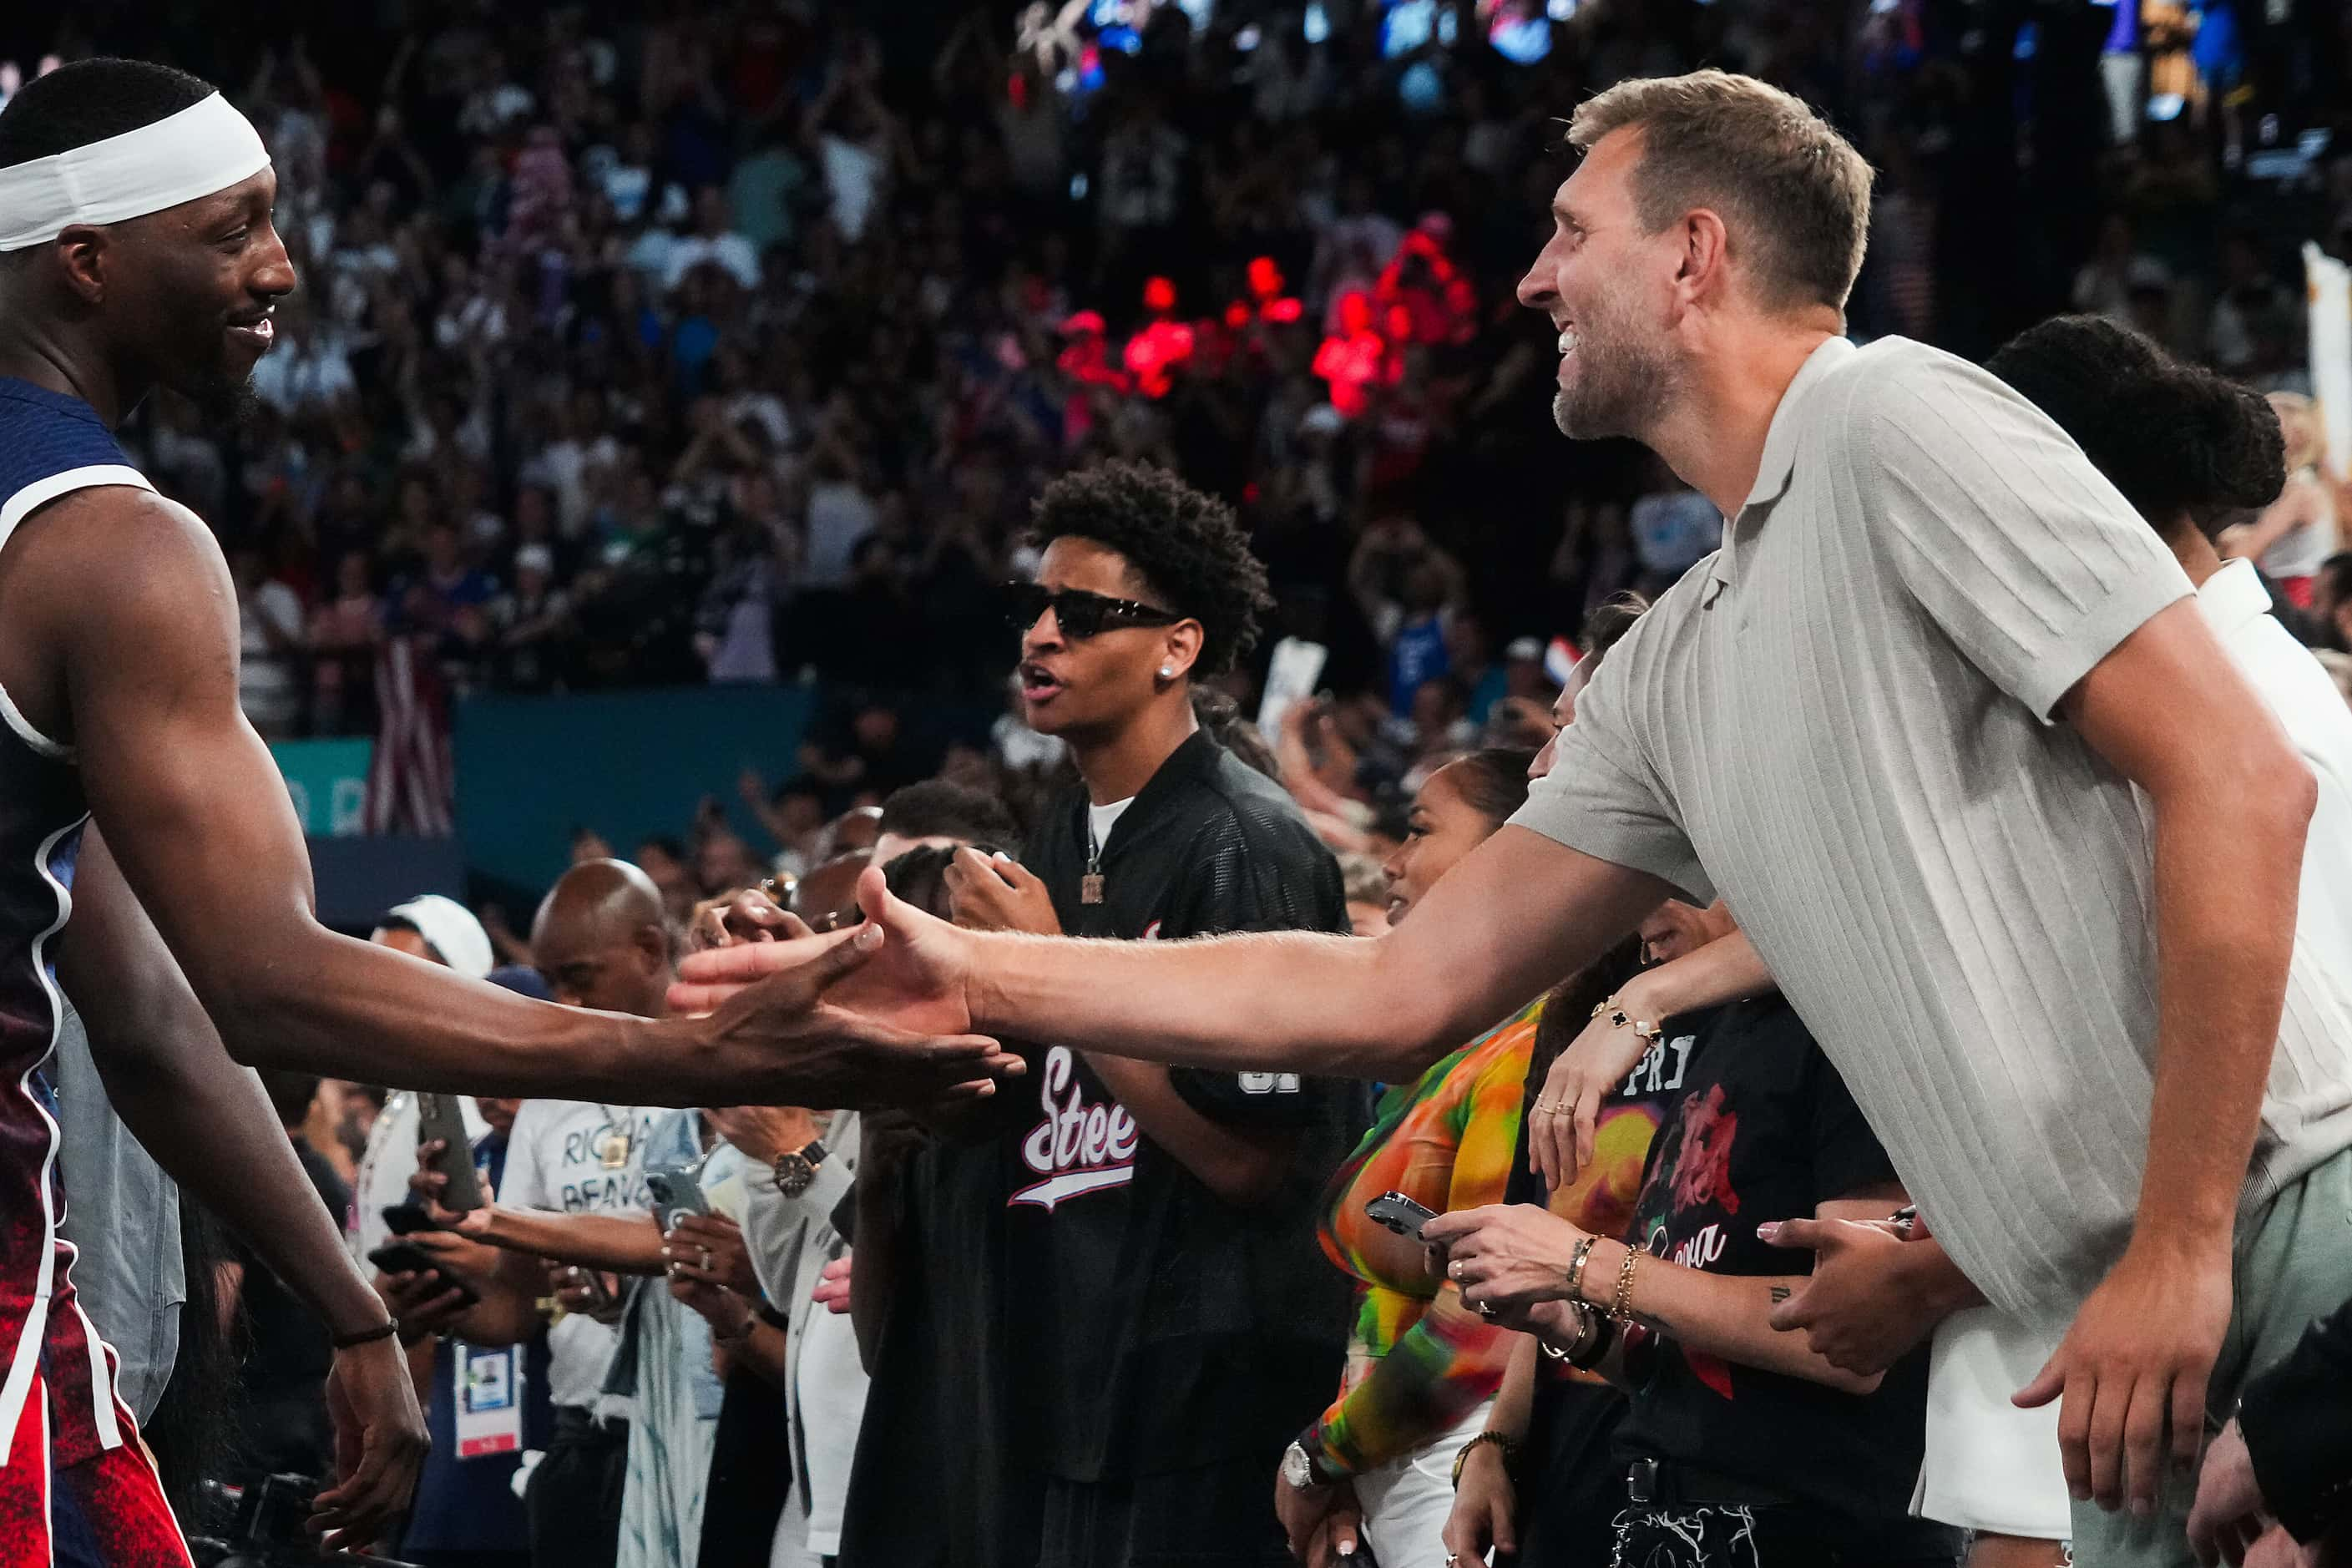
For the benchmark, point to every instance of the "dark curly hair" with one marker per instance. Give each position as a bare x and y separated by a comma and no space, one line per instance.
1187,548
2176,439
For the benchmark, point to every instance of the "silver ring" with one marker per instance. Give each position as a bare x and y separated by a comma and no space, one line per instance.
706,1260
1484,1308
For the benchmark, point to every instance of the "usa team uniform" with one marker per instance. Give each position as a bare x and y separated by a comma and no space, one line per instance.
76,1485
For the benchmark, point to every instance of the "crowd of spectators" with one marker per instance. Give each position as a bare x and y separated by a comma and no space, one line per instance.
731,343
707,341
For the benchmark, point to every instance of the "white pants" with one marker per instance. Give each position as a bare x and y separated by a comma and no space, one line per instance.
1407,1500
1990,1466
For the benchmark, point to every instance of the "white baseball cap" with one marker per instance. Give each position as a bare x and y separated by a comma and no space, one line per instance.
450,929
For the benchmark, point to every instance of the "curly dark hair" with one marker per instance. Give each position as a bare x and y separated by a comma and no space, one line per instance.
1188,549
2176,439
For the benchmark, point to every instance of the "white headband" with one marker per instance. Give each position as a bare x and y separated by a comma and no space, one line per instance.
207,147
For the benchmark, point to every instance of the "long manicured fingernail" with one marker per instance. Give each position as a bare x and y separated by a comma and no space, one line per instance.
1768,1231
868,938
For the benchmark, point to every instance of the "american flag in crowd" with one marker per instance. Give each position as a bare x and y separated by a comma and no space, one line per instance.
412,782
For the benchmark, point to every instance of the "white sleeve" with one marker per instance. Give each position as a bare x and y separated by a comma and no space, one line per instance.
525,1186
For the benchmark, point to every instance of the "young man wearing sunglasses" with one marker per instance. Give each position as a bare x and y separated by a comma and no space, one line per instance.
1170,1326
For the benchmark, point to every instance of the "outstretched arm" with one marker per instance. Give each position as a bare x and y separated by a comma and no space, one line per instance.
1520,911
619,1244
141,678
207,1123
1517,913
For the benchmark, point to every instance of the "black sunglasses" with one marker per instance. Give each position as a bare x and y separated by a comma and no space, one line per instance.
1079,614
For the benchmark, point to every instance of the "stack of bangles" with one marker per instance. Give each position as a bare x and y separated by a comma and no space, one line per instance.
1597,1327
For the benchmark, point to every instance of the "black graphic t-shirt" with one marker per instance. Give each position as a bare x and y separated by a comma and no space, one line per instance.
1569,1520
1154,1326
1766,1131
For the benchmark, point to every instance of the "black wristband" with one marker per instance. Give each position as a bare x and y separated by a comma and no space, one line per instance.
383,1331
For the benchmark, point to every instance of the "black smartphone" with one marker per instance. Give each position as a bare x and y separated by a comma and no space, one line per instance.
437,1116
402,1258
1396,1212
408,1219
407,1258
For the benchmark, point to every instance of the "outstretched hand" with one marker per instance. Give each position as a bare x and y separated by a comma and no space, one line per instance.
911,971
871,1015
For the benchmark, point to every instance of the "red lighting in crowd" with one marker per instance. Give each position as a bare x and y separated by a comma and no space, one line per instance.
1438,303
1158,295
1356,358
1153,351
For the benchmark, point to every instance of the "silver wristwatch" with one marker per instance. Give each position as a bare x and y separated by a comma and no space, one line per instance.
1298,1467
796,1170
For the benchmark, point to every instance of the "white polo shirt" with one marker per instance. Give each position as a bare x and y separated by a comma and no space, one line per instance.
1841,722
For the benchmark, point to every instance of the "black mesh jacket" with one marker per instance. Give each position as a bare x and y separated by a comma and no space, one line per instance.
1156,1327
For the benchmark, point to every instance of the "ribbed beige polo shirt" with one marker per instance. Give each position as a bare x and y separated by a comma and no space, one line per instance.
1842,723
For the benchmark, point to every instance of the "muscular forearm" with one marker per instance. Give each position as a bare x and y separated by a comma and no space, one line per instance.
285,992
1260,1000
1331,1004
2227,877
351,1009
623,1244
1722,1314
2231,800
1240,1166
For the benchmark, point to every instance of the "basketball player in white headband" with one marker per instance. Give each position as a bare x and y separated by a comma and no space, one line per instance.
136,249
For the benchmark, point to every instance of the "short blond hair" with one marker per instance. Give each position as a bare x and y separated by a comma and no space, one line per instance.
1794,194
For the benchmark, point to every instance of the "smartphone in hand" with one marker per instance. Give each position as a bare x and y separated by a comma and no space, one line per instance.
1398,1213
438,1117
676,1191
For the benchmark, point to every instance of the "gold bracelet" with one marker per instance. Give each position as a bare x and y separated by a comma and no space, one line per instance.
1623,1308
1643,1028
1576,1263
